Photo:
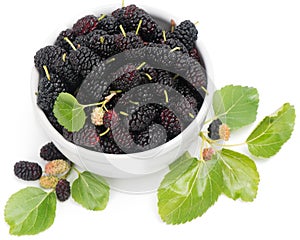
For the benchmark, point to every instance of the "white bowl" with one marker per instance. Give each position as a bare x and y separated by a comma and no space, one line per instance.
128,165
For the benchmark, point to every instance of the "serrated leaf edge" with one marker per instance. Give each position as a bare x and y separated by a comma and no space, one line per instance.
243,87
275,114
11,226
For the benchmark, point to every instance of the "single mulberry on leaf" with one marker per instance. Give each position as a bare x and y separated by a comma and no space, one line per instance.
28,171
57,167
48,182
63,190
50,152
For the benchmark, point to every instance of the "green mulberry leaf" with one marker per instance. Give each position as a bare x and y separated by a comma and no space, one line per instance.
270,135
240,176
91,191
188,190
30,211
236,105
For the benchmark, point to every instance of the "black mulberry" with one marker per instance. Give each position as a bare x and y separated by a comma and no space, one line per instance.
108,24
47,56
213,129
171,123
187,33
83,61
28,171
130,17
85,25
48,91
131,41
63,190
108,145
61,42
50,152
143,117
152,137
103,45
110,119
125,78
86,137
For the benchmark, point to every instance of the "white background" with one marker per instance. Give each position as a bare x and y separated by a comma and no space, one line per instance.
255,43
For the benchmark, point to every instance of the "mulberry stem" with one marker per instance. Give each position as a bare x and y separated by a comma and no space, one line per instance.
173,24
175,49
68,173
76,170
205,90
46,72
124,114
123,31
164,35
212,142
100,18
166,96
105,132
93,104
202,147
64,57
148,76
139,26
141,66
70,43
191,115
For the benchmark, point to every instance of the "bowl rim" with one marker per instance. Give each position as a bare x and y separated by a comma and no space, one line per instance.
172,144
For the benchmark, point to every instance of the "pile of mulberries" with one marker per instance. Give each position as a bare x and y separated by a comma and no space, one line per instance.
52,176
151,78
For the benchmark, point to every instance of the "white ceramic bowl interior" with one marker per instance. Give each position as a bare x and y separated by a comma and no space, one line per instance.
127,165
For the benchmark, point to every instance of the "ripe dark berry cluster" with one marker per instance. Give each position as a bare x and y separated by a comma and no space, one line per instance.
151,78
50,152
28,171
63,190
54,174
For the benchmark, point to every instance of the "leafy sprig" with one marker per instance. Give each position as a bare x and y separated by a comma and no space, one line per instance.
193,185
32,210
70,113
